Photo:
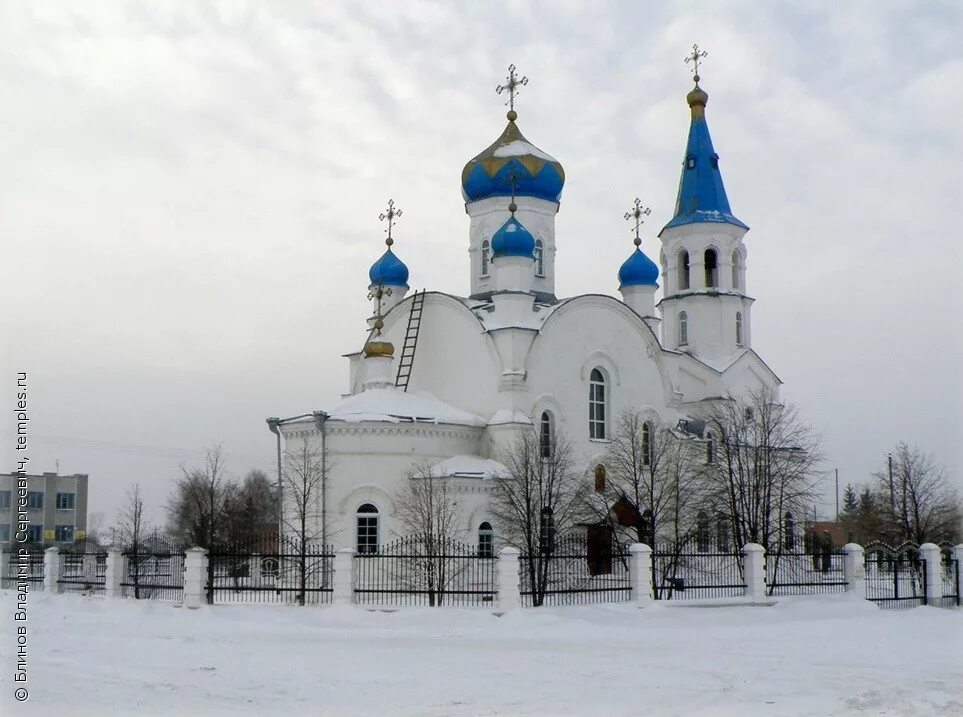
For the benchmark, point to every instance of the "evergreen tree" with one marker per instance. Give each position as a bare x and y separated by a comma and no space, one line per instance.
849,516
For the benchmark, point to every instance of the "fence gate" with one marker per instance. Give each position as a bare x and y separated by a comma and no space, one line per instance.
415,571
286,571
83,569
819,572
951,580
153,569
680,572
575,571
895,576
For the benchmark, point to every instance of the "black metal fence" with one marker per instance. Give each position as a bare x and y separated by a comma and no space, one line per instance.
26,567
818,572
951,580
83,569
271,571
412,571
895,576
154,570
682,573
573,571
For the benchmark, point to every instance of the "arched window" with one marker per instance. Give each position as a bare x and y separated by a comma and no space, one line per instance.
710,448
599,478
646,445
486,540
683,269
711,265
367,529
738,328
722,533
683,328
539,258
484,258
596,405
702,532
789,532
545,432
546,537
735,269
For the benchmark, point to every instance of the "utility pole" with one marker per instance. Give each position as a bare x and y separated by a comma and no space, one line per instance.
837,495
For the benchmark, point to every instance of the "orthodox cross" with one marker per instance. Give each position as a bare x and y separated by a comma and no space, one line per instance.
636,213
378,292
390,214
694,58
512,83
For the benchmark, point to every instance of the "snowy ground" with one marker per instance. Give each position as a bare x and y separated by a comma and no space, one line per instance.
807,656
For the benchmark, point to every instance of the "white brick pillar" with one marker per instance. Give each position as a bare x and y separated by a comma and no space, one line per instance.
343,585
854,569
195,578
754,571
933,574
640,574
51,570
115,574
507,580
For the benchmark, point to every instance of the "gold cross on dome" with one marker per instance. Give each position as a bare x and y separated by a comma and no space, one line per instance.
512,83
378,292
694,57
390,214
636,213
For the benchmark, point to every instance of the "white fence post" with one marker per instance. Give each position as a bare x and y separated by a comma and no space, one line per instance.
195,577
507,580
754,571
854,569
640,574
343,586
933,574
115,573
51,570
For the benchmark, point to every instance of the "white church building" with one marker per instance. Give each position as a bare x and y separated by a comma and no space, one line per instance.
450,381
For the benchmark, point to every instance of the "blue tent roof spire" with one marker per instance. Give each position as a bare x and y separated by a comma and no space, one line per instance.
702,195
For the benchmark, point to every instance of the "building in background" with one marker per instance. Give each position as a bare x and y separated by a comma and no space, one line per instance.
56,508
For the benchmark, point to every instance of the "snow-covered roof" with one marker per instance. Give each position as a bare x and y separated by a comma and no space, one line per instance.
469,467
491,321
503,415
521,147
394,406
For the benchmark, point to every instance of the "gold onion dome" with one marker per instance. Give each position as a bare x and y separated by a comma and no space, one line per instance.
698,97
379,348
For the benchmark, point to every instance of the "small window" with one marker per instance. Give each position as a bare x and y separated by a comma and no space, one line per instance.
702,532
736,267
789,532
599,478
690,161
65,501
64,534
4,499
484,257
596,405
714,161
34,533
539,258
486,540
546,538
4,533
367,529
738,328
683,329
710,448
646,445
683,270
35,499
545,432
722,533
711,266
749,413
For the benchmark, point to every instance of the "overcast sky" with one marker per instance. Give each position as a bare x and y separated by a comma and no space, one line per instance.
189,200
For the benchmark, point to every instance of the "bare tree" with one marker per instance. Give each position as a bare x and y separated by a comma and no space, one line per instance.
541,497
918,505
760,468
303,478
130,532
199,509
432,529
253,509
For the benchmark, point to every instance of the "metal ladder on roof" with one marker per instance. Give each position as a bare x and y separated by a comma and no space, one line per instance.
407,360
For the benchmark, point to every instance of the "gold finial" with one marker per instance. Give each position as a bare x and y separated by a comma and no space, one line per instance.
694,58
512,83
390,214
512,179
636,213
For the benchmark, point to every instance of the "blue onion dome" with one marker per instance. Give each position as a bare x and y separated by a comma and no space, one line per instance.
389,270
511,156
512,239
638,270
